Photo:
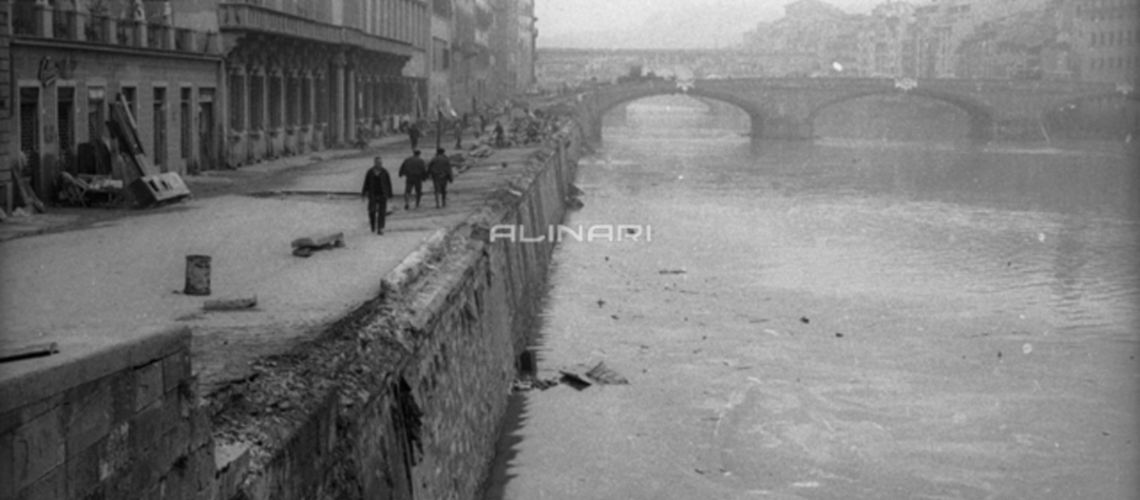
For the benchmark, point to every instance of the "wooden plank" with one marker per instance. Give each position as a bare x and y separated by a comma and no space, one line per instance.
230,304
28,351
320,242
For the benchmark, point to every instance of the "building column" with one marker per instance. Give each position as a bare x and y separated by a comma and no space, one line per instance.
338,114
309,101
378,100
264,96
279,131
352,104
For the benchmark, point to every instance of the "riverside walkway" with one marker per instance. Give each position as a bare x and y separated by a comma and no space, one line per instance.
88,279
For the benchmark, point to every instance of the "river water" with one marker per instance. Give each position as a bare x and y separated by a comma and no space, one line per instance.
840,319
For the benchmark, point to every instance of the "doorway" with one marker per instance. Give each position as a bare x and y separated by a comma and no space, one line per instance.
30,135
206,129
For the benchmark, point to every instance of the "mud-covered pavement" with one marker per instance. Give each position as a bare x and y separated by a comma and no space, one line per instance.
783,342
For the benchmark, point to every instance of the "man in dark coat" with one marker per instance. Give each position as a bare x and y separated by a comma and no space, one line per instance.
440,171
414,171
414,134
377,189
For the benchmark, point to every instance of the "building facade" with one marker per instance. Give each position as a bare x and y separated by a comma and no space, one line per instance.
304,76
7,151
1105,38
70,60
216,84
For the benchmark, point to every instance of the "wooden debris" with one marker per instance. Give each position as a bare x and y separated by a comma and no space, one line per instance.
28,351
575,376
605,376
304,247
230,304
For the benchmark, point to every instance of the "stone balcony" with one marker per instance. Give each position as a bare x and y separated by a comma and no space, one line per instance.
44,22
241,16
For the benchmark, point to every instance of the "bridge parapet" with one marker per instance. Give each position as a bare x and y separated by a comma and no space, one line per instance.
785,108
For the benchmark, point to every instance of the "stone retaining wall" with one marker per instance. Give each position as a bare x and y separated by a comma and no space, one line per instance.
114,422
405,397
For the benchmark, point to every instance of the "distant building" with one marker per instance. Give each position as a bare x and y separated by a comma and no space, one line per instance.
1025,45
888,41
1105,39
808,27
513,47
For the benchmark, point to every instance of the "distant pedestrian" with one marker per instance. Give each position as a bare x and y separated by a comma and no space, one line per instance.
377,189
414,171
500,141
440,171
414,135
459,126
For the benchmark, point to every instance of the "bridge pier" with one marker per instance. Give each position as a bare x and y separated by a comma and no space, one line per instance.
785,128
1018,130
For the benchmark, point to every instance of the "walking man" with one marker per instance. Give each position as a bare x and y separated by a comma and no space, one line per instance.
440,171
414,134
377,189
414,171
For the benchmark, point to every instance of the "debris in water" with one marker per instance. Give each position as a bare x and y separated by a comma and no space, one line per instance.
999,354
601,302
838,335
614,316
671,271
1027,348
804,320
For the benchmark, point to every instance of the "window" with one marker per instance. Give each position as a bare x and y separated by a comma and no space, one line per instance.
158,128
65,112
441,56
95,112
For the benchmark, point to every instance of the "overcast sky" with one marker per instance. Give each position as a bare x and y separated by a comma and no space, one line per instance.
658,23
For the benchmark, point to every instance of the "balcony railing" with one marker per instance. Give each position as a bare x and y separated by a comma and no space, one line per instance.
35,21
250,17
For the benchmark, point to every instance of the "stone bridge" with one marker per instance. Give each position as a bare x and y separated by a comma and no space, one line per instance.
785,108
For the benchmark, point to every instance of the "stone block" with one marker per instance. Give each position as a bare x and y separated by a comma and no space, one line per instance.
7,466
149,426
51,486
14,418
34,449
175,368
83,470
123,387
88,414
116,452
149,387
204,471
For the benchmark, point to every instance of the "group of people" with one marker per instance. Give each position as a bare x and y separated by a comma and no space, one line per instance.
377,188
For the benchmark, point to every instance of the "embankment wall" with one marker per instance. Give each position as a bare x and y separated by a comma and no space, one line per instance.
406,397
401,399
114,422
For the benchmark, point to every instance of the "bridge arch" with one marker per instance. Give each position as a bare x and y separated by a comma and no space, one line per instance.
980,115
754,112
